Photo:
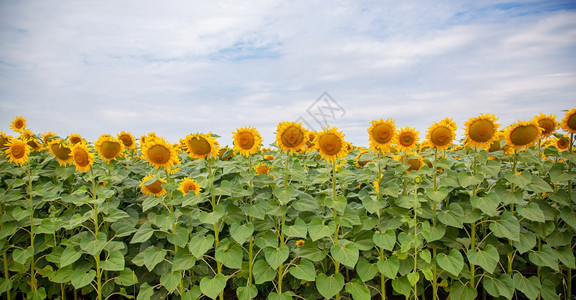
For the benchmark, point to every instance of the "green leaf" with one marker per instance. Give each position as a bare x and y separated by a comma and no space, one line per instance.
183,260
115,262
439,195
358,290
21,256
539,185
402,286
318,230
146,292
69,256
5,285
425,255
150,257
532,212
171,280
452,263
566,256
462,292
200,244
568,216
366,270
241,233
38,294
276,256
213,287
389,267
94,246
299,229
432,233
247,292
143,233
329,286
126,277
262,272
311,252
544,258
520,180
179,237
528,286
413,277
526,242
192,294
488,205
487,258
122,229
466,180
385,240
284,296
499,286
284,196
453,216
212,217
304,270
345,253
46,227
81,279
507,226
339,204
62,275
230,255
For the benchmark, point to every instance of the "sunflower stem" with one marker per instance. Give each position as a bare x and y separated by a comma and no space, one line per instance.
216,225
251,219
434,221
335,215
32,234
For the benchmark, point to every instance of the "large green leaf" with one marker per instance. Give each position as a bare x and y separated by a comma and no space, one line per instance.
366,270
566,256
402,286
241,233
466,180
247,292
528,286
69,256
304,270
114,262
526,242
568,216
358,290
21,256
183,260
462,292
230,255
531,212
179,237
94,245
452,263
389,267
200,244
502,285
432,233
299,229
488,204
507,226
150,257
81,278
329,286
453,216
171,280
311,252
487,258
318,230
345,253
385,240
126,277
544,258
262,272
276,256
211,287
143,233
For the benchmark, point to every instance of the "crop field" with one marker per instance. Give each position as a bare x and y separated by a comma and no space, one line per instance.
412,216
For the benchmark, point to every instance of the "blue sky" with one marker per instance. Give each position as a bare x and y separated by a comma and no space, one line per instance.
180,67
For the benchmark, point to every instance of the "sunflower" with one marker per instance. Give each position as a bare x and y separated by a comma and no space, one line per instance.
82,157
75,138
108,147
155,188
381,134
61,151
17,151
262,168
310,146
127,139
291,136
268,157
441,134
569,121
31,139
358,159
200,145
300,243
407,138
4,139
523,134
548,124
330,144
159,153
247,140
562,143
18,124
189,185
481,131
225,153
497,143
47,136
414,161
146,138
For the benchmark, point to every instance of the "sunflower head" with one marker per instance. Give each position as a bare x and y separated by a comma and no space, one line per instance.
414,161
75,138
225,153
31,139
152,186
381,134
60,150
18,124
481,131
330,144
82,157
569,121
300,243
358,159
291,136
188,185
159,153
262,168
4,139
310,146
127,139
17,151
47,136
562,143
547,123
407,138
108,147
523,134
200,145
247,140
441,134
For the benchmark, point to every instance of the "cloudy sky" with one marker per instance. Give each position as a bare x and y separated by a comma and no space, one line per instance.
180,67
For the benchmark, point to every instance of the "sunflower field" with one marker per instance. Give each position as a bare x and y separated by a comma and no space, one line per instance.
491,216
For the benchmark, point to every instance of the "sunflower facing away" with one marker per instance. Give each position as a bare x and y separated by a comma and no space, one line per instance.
82,157
189,185
127,139
75,138
31,139
291,136
17,152
358,161
4,138
481,131
381,134
47,136
523,134
262,168
441,134
18,124
547,123
108,147
569,121
407,138
330,144
61,151
152,187
247,140
200,145
412,159
159,153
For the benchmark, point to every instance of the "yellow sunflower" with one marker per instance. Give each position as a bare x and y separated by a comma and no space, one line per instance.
4,139
82,157
17,151
268,157
310,146
569,121
108,147
291,136
381,134
561,143
481,131
31,139
147,138
200,145
159,153
441,134
523,134
247,140
18,124
548,124
262,168
47,136
61,151
225,153
358,159
330,144
75,138
407,138
127,139
189,185
155,188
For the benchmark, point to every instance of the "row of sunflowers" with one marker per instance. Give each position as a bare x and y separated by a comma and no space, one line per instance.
313,217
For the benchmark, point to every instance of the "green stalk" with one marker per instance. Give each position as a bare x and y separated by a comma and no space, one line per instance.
513,186
381,250
215,226
473,229
6,275
96,230
434,208
32,234
415,245
282,241
569,273
251,220
335,214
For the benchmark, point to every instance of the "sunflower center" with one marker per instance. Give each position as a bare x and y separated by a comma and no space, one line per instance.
292,137
382,133
75,140
155,187
547,126
414,164
126,140
60,151
159,154
330,144
110,150
481,131
441,136
19,124
562,144
81,158
18,151
199,146
406,140
524,135
246,140
572,122
262,170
